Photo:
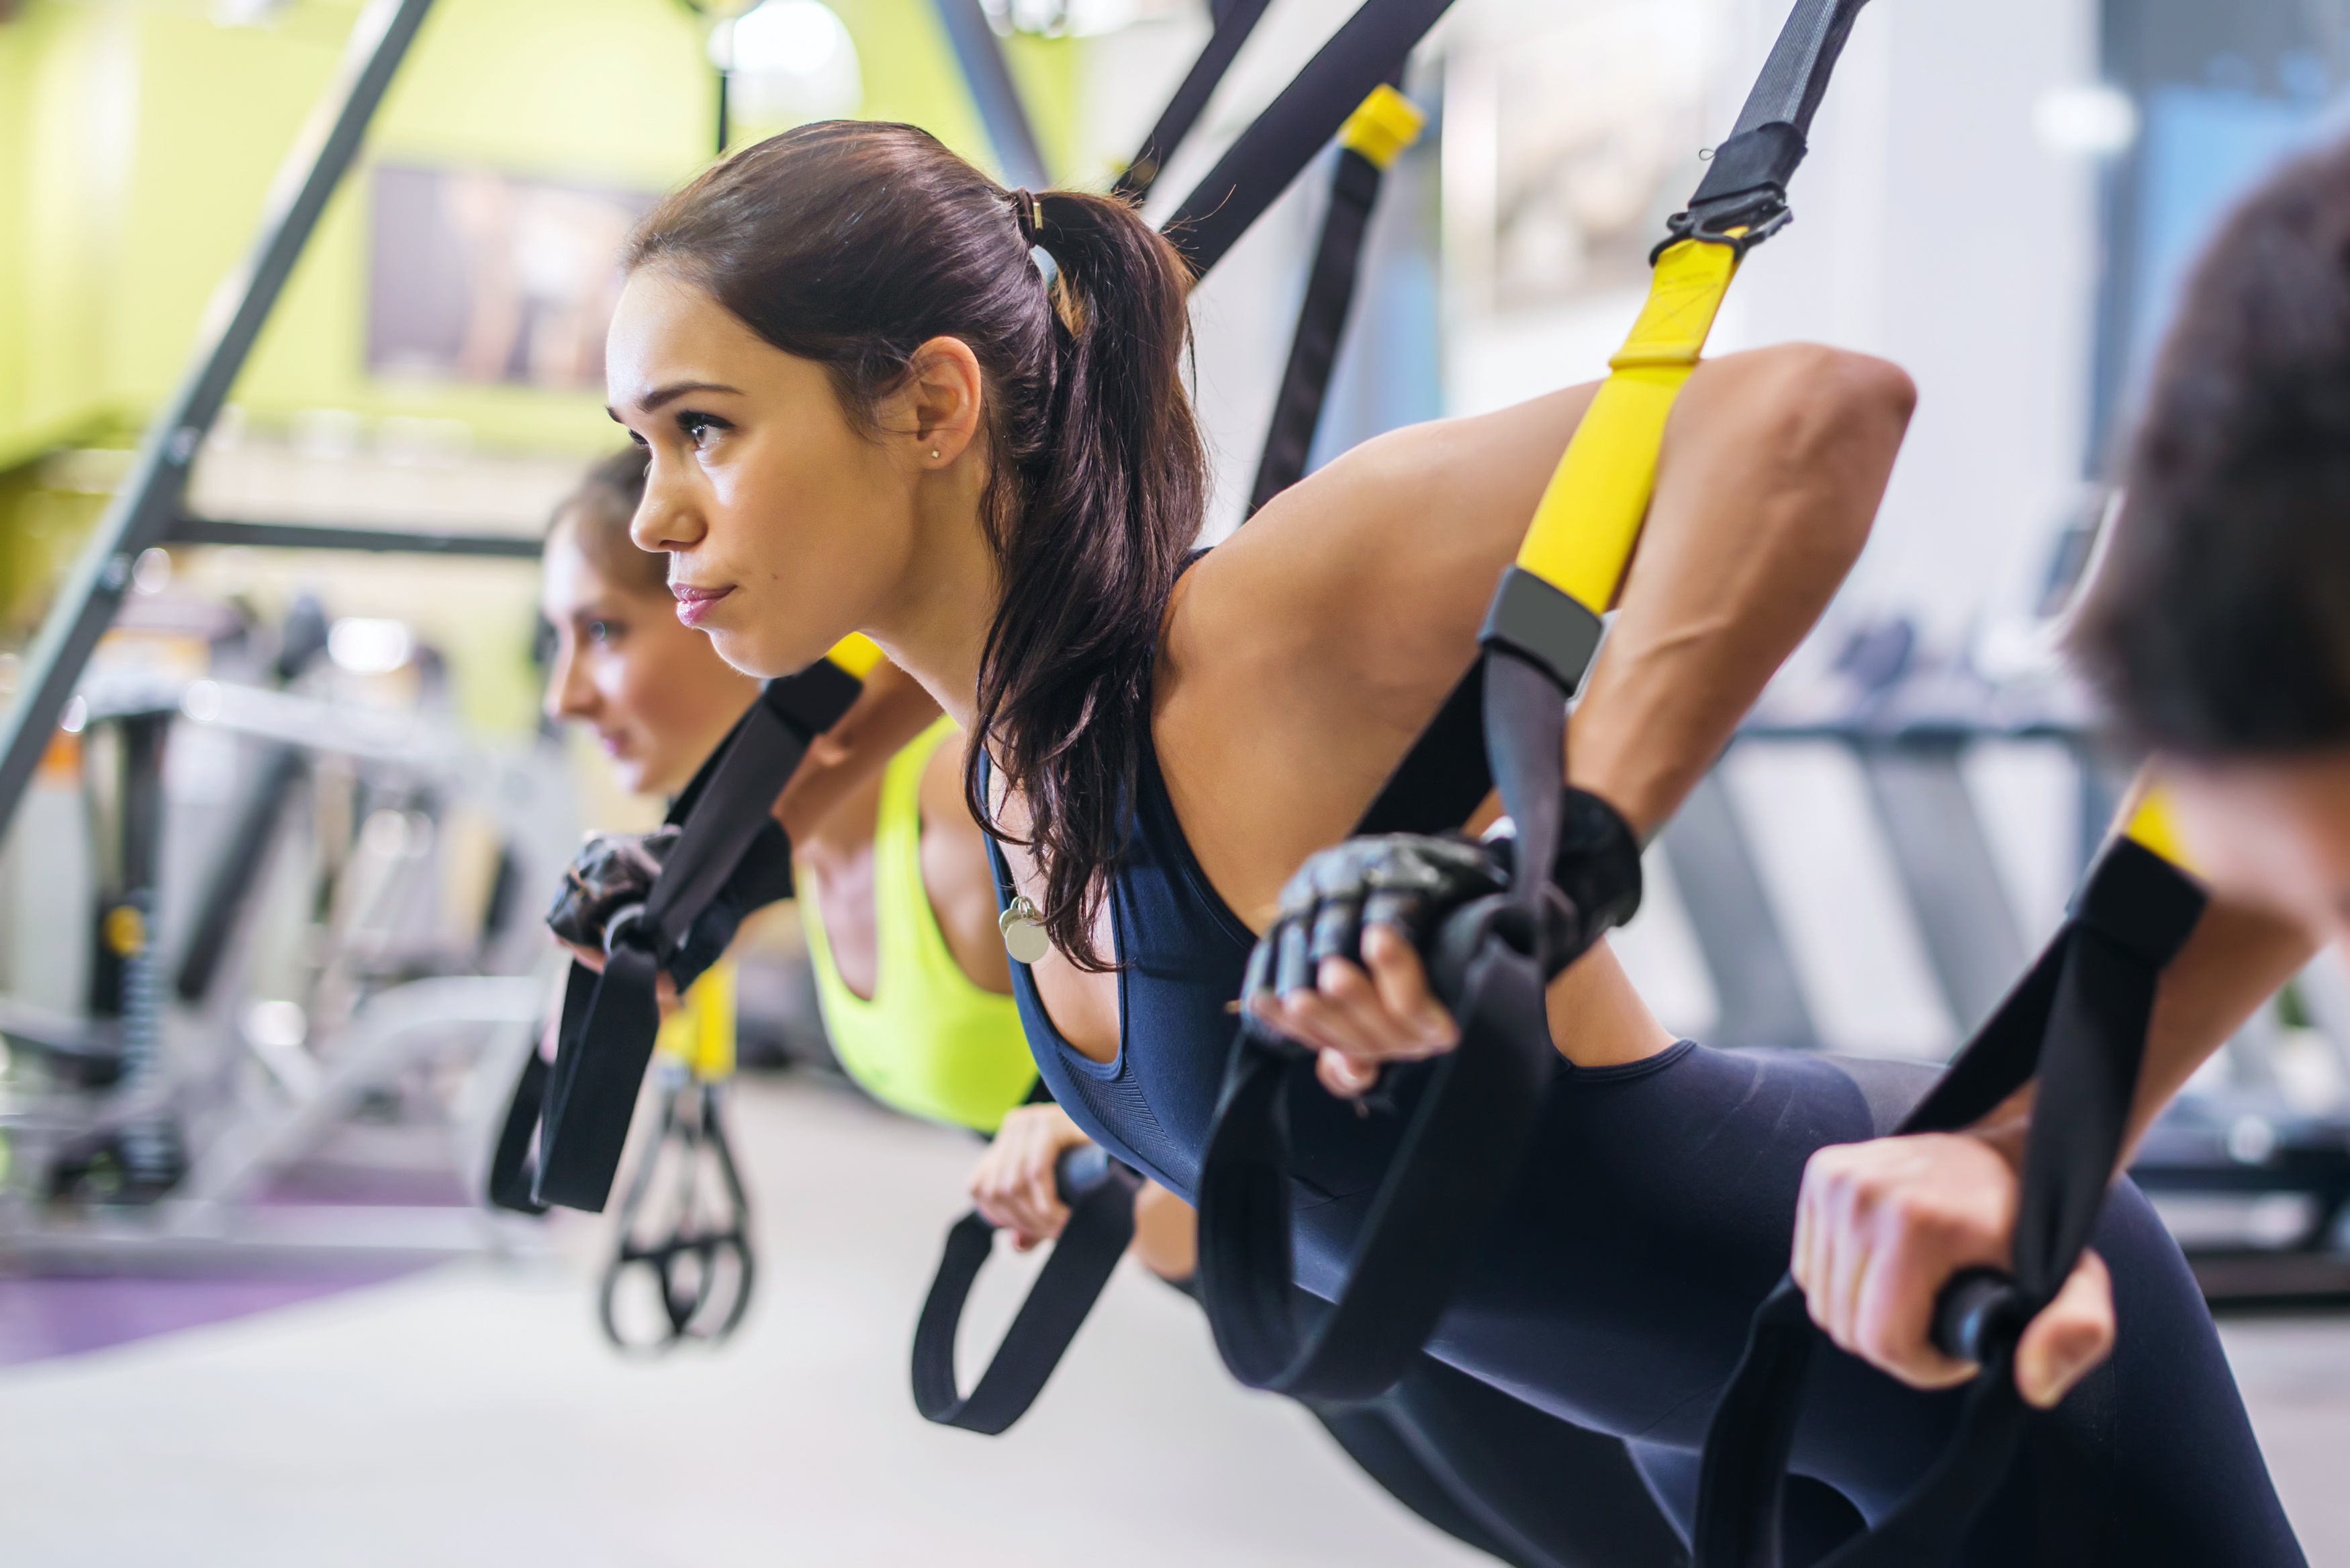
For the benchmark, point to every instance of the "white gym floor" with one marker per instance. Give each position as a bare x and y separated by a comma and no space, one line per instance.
473,1415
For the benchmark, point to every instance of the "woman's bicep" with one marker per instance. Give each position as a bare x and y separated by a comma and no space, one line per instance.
1379,566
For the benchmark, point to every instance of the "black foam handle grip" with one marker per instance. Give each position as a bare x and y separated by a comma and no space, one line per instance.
1977,1316
1079,1170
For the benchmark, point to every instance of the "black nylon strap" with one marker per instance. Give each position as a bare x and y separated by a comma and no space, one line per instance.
1296,127
1458,1158
610,1021
1444,777
2078,1019
699,1300
605,1041
1794,78
1321,322
512,1171
1100,1225
1235,20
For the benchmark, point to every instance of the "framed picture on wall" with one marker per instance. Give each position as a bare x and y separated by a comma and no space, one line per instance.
490,278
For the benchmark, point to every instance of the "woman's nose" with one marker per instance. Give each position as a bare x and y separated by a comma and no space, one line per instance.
569,693
670,516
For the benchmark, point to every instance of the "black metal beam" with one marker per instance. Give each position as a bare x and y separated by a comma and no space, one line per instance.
143,513
325,536
985,72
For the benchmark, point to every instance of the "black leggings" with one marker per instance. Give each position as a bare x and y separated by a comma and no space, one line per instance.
1627,1316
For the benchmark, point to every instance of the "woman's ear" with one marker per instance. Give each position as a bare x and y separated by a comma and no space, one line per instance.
938,406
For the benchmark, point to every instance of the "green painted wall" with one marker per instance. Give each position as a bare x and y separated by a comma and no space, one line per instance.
139,143
139,139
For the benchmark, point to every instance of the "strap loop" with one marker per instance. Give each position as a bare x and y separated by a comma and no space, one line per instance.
1100,1194
2078,1019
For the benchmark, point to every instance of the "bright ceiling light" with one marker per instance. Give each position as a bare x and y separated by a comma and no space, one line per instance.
368,647
790,60
2093,119
788,38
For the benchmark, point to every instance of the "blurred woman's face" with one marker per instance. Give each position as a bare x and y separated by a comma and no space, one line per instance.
658,696
2273,833
787,526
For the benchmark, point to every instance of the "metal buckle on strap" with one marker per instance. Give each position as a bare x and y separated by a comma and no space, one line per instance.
1741,224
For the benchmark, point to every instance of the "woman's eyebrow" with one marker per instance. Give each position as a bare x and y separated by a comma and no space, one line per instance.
659,395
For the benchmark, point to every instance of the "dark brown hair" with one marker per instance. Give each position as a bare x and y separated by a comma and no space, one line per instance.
2220,624
598,512
852,243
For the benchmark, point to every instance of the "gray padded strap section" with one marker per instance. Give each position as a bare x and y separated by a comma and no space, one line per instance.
1891,1088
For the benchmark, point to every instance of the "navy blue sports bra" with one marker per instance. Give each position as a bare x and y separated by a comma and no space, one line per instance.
1181,954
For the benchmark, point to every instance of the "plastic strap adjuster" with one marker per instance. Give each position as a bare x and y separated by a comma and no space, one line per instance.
2141,902
1382,126
1553,628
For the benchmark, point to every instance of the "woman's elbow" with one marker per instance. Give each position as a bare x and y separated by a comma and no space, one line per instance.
1831,404
1833,423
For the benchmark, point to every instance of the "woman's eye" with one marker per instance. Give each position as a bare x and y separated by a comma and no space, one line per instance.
603,631
699,428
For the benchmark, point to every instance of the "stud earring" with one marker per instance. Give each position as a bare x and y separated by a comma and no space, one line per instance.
935,451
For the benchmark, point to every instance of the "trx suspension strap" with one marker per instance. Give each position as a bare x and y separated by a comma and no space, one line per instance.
1102,1223
699,1264
1374,137
2078,1020
1235,20
1100,1193
1297,126
610,1020
1458,1155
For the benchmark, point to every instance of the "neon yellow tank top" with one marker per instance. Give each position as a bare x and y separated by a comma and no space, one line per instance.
929,1043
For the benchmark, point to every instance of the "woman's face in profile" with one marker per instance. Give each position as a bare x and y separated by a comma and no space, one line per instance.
656,694
786,527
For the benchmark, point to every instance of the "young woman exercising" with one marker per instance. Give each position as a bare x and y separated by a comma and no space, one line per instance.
899,904
900,869
867,410
2219,630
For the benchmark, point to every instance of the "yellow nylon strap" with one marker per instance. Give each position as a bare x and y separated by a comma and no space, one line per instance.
856,654
2151,825
1589,520
1382,126
700,1031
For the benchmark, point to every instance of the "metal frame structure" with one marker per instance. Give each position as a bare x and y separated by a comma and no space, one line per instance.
148,510
989,76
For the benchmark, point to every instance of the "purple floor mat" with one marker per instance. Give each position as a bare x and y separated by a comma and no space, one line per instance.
73,1314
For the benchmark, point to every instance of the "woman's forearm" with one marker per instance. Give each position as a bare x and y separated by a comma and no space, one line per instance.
1773,467
2235,960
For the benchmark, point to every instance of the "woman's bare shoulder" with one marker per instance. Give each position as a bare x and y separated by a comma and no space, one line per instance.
1331,629
1384,557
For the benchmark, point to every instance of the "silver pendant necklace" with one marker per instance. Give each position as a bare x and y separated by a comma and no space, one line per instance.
1024,930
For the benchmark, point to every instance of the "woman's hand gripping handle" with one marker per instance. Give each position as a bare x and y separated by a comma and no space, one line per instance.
1346,969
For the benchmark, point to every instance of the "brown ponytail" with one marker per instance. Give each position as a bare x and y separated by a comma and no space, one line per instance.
852,243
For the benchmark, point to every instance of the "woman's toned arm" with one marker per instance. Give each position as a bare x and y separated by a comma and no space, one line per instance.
1333,625
1771,470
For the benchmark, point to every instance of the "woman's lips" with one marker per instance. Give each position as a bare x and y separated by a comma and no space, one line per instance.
694,602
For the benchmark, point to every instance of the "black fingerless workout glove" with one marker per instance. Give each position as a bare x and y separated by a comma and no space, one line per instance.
1416,883
605,887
